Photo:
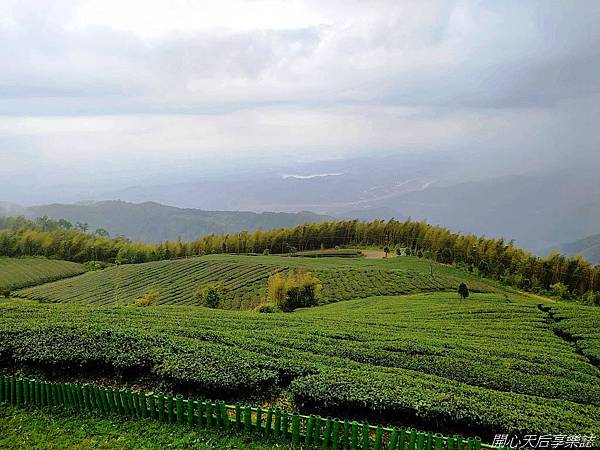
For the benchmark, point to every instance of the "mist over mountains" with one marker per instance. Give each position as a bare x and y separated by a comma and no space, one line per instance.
538,210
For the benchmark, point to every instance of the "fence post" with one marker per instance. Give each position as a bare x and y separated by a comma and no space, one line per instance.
179,405
269,422
161,408
459,443
310,425
402,439
238,416
25,392
295,429
259,419
378,438
438,442
190,413
216,406
449,443
209,418
319,423
393,440
335,434
420,440
429,441
170,412
346,435
470,444
366,438
43,394
247,419
31,392
285,419
19,392
326,434
354,440
151,400
201,415
412,440
225,416
2,384
38,393
277,428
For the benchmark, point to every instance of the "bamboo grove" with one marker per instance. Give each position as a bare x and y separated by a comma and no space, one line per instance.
493,258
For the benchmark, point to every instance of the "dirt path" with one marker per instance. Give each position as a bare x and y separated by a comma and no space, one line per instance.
377,254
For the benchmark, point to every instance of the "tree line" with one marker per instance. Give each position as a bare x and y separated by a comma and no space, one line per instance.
492,258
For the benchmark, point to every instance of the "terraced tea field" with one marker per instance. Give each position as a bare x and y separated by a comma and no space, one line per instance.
175,280
17,273
245,279
484,365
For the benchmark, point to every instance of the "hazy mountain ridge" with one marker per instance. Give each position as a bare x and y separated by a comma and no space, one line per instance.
588,247
153,222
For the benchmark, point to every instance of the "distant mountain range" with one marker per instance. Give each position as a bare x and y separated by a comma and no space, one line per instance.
538,209
588,247
153,222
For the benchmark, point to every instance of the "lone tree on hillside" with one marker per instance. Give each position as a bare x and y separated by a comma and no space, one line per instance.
209,295
463,291
386,250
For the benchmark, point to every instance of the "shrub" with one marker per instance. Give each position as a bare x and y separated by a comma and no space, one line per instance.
560,290
267,309
148,299
209,295
266,251
463,291
91,266
5,293
296,289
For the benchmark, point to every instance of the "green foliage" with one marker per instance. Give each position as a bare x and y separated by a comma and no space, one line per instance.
209,295
16,273
245,280
463,291
267,309
491,258
150,298
484,364
559,290
295,289
91,266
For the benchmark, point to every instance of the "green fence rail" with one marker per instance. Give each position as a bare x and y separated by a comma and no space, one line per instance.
298,430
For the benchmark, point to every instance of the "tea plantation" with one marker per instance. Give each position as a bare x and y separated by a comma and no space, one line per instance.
17,273
483,365
245,277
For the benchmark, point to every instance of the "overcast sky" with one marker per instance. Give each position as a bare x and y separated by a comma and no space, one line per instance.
111,88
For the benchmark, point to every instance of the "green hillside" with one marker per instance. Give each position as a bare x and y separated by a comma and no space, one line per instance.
245,279
17,273
486,364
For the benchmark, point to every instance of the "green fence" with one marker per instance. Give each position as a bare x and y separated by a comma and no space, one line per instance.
275,423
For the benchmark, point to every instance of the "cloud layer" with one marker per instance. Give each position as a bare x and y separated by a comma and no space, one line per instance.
119,86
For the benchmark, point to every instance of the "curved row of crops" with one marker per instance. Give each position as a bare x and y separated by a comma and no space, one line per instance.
16,273
175,280
579,324
243,278
483,364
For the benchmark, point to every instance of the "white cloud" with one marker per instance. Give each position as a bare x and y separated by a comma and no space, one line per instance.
97,81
